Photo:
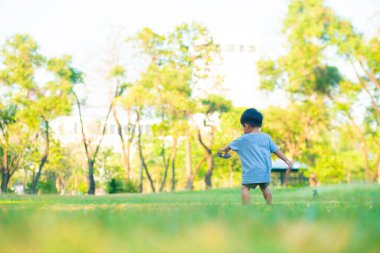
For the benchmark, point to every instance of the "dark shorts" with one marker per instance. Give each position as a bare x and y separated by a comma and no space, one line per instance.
254,185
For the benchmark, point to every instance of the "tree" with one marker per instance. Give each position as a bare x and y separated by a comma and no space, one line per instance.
296,129
228,130
126,135
13,145
175,64
137,104
306,72
92,152
211,106
60,166
362,54
28,105
195,52
17,122
312,26
54,99
303,72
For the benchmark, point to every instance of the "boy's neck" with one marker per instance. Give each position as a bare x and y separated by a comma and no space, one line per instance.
256,130
253,130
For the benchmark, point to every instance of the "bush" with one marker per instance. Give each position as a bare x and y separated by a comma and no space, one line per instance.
116,185
44,186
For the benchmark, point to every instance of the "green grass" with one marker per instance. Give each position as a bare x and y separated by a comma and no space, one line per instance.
343,218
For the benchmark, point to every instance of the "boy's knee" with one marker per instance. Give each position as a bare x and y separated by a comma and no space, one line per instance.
265,191
245,195
267,195
244,189
264,186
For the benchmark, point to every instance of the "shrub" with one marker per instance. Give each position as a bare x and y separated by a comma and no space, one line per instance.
116,185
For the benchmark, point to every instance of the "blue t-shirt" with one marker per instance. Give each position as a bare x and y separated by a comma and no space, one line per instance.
255,151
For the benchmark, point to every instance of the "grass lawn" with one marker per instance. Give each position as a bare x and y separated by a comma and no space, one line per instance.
343,218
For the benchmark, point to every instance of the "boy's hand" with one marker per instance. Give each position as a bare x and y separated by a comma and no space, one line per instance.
221,151
224,150
285,159
290,165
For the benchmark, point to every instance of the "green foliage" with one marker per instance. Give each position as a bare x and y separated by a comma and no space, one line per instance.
303,70
270,75
121,186
45,186
316,126
330,165
27,105
316,37
109,164
327,78
117,71
7,115
176,63
215,103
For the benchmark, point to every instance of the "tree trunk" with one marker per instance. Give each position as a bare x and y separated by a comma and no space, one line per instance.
37,177
142,160
60,184
57,184
361,136
173,167
43,160
209,159
377,169
8,168
131,134
91,180
92,158
127,162
4,182
167,163
125,147
210,165
230,179
189,182
4,170
141,177
166,167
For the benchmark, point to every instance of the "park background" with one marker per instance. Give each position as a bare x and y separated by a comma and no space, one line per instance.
138,97
124,97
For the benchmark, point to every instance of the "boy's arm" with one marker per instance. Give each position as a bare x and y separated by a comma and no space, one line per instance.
285,159
225,149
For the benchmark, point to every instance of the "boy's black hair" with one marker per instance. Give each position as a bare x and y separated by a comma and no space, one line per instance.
252,117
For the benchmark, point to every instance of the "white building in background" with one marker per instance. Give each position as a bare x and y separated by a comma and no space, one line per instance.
240,85
240,78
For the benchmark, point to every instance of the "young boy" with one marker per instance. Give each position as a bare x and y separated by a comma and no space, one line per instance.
254,149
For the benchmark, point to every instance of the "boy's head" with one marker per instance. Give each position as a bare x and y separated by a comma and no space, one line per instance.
251,117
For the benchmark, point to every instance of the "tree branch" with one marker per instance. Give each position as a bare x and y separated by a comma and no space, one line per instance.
364,86
369,74
84,139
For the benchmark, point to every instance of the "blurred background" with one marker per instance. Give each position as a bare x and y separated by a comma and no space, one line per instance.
137,96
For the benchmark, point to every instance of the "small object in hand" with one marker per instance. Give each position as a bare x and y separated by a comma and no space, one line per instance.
225,156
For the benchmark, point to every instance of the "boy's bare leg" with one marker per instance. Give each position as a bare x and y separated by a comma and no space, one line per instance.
245,195
267,194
